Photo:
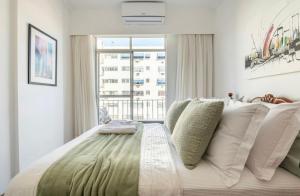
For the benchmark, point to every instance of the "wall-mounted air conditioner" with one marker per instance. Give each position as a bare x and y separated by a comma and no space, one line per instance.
143,12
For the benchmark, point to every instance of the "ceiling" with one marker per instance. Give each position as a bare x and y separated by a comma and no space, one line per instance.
98,3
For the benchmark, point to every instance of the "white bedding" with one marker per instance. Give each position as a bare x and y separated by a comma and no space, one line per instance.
204,180
159,173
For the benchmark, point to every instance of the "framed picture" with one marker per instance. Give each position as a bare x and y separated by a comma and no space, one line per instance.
42,57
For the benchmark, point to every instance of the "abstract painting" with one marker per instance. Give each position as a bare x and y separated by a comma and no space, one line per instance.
42,57
275,42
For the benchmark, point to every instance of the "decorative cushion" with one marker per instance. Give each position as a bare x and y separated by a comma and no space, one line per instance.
174,112
234,137
194,129
274,140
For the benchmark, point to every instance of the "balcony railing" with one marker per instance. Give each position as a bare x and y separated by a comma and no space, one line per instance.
143,109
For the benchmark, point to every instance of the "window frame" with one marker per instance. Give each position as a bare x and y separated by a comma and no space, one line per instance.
131,52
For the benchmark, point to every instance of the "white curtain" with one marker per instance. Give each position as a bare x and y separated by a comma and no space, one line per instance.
194,66
83,58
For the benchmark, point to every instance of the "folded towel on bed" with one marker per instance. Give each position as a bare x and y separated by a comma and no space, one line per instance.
115,129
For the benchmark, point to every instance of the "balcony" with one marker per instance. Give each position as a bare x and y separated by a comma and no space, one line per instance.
142,109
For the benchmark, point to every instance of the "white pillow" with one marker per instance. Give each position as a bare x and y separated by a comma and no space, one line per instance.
275,138
230,147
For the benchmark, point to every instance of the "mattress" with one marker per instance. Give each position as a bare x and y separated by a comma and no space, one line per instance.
204,180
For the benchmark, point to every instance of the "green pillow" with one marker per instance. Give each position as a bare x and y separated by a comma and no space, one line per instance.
194,130
174,112
292,160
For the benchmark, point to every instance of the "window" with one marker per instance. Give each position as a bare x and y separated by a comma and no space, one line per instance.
139,69
161,55
126,92
161,69
126,68
110,81
110,68
123,68
160,82
138,93
161,93
138,81
125,80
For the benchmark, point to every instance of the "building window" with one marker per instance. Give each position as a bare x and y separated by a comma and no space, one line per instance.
161,93
123,67
126,68
126,92
160,82
138,93
161,56
110,68
161,69
125,80
110,81
138,69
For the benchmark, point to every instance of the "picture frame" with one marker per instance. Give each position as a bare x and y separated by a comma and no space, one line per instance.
42,57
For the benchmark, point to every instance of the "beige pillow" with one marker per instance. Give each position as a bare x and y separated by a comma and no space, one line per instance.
174,112
234,137
274,140
194,129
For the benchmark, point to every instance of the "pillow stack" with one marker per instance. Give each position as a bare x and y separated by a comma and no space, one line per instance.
275,138
252,135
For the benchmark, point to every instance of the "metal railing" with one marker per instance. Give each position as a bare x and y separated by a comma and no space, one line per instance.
142,110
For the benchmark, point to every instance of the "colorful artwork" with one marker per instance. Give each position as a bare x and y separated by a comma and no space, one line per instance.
276,44
42,58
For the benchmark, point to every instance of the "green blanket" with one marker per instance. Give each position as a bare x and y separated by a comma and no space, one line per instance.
101,165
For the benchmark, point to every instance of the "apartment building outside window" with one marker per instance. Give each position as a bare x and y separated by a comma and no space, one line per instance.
131,77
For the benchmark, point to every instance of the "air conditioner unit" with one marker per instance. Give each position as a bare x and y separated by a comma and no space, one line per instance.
143,12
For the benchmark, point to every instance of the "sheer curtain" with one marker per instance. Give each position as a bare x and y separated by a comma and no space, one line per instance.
194,66
83,58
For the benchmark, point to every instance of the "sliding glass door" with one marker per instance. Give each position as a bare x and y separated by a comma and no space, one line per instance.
131,77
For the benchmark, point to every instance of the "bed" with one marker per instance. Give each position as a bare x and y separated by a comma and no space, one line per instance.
178,180
161,172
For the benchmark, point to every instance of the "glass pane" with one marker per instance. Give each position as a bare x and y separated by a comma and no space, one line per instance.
117,108
149,84
148,43
114,74
113,43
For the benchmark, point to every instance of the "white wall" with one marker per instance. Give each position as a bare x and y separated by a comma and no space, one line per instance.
107,20
41,109
5,94
33,119
235,21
